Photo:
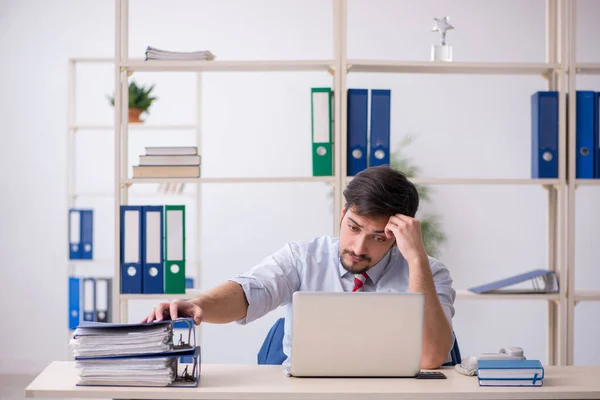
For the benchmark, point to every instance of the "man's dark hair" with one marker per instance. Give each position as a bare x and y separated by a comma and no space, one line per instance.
381,192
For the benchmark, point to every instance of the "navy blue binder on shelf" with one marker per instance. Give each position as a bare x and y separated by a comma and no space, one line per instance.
81,234
153,249
87,234
379,153
131,249
541,280
597,135
544,135
358,121
585,136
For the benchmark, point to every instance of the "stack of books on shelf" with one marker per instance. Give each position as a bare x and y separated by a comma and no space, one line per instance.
133,355
510,373
153,53
168,162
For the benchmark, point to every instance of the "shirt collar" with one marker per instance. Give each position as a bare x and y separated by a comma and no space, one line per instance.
374,272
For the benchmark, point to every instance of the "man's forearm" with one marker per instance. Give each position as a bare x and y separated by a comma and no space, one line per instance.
437,335
223,304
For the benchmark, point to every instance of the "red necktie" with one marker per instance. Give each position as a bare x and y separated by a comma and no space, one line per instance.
359,281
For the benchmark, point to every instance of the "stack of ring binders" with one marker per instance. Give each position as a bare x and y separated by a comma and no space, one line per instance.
144,354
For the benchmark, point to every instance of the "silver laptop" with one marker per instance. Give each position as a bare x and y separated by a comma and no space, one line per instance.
356,334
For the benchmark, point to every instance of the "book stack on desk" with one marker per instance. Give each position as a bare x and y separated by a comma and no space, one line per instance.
132,355
510,373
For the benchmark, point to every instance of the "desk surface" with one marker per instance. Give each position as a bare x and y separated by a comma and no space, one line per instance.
249,382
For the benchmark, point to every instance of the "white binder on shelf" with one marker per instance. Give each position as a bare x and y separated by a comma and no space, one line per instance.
89,299
103,299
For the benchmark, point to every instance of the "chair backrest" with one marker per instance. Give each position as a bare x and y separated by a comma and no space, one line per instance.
271,351
454,353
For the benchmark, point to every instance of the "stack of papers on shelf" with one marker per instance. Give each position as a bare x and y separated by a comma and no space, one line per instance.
510,373
153,53
134,355
168,162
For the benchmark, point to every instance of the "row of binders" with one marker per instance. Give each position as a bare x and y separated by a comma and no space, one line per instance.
153,251
544,134
368,143
81,234
147,354
90,300
510,373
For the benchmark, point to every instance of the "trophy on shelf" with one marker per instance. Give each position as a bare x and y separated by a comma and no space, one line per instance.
441,52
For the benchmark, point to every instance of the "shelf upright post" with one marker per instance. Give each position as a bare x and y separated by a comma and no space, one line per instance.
119,308
562,220
570,268
71,131
552,83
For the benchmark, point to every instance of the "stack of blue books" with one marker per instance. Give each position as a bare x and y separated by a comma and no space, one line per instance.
510,373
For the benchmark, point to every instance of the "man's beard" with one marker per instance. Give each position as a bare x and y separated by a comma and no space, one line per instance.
355,269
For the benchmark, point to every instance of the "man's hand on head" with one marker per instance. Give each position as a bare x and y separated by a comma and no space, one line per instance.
409,239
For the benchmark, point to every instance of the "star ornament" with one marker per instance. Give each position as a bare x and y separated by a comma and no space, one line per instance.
442,25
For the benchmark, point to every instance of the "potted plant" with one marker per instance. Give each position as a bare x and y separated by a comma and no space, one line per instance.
139,101
431,226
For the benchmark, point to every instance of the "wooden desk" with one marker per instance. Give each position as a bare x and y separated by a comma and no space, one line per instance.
249,382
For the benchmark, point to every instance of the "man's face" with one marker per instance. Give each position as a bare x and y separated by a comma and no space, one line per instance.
362,241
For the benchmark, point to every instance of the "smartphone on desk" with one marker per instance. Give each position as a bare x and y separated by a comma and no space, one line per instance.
431,375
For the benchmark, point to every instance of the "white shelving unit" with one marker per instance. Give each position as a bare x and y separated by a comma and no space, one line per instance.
580,69
82,267
554,71
560,191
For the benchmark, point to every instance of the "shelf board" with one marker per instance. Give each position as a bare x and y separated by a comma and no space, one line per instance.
228,66
438,67
587,182
587,295
587,68
132,194
467,295
99,261
479,181
230,180
140,126
189,293
483,181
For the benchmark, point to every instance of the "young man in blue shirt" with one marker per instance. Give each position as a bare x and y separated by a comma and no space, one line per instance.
380,248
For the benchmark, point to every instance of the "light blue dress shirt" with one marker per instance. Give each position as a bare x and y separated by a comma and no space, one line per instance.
315,266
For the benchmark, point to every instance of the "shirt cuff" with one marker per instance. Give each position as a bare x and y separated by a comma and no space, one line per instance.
247,285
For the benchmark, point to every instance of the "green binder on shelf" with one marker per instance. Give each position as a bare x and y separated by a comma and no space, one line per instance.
174,249
322,131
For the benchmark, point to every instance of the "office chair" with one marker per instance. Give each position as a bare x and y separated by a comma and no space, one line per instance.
271,351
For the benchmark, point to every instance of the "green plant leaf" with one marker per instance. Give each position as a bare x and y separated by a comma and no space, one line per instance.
139,96
431,226
433,236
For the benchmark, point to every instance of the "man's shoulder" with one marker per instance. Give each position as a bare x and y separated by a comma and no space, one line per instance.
318,245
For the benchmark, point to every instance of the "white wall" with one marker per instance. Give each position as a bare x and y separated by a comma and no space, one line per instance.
257,125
